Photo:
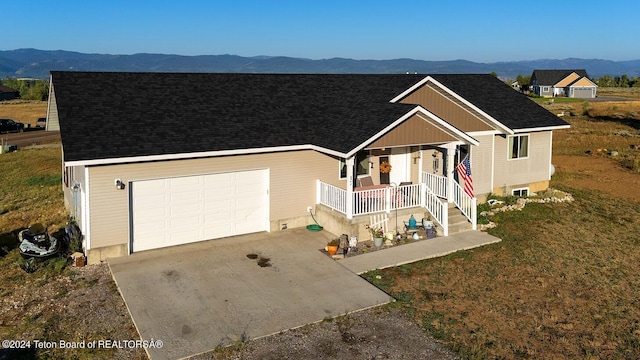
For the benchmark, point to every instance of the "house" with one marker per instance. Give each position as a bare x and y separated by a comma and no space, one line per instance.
173,158
566,83
7,93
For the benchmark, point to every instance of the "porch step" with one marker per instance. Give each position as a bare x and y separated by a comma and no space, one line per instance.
458,222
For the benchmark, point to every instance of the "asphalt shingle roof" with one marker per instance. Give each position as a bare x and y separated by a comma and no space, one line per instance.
112,115
552,77
6,89
491,95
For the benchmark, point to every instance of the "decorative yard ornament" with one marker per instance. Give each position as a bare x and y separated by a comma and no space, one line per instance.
413,224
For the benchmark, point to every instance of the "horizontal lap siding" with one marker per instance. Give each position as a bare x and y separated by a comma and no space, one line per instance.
481,164
52,112
292,181
523,171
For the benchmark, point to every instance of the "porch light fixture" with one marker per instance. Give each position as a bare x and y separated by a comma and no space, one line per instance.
119,184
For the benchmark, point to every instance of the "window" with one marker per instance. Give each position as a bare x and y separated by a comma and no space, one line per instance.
362,165
518,147
545,89
520,192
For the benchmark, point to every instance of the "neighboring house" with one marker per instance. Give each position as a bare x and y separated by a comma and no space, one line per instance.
173,158
7,93
566,83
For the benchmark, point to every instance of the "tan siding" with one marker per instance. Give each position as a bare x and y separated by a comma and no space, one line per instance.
292,186
413,131
481,164
568,80
522,171
53,124
447,108
583,82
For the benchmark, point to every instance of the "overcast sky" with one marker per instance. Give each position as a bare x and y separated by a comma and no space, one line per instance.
481,31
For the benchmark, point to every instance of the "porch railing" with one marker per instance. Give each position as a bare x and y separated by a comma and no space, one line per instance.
466,204
400,197
405,196
369,201
438,209
386,199
331,196
436,183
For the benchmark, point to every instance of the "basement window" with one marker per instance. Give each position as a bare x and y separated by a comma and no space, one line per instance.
520,192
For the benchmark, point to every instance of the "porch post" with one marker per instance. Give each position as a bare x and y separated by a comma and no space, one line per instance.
420,154
451,152
350,162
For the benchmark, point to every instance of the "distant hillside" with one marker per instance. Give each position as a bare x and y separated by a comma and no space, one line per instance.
37,64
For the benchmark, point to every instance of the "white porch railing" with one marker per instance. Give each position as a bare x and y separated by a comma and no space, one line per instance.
369,201
405,196
436,183
331,196
467,204
400,197
438,209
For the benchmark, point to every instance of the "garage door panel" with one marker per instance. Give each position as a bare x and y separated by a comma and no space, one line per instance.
184,210
151,200
185,196
181,210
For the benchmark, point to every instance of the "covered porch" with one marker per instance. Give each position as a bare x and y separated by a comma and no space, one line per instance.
435,193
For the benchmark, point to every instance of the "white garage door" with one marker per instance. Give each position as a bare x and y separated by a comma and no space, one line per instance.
174,211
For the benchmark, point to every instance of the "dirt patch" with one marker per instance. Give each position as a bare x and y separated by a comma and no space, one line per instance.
598,173
78,305
381,333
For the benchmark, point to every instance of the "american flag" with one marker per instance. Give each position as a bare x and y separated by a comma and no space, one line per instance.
464,170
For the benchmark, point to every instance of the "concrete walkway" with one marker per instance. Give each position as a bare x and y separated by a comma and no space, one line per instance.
421,250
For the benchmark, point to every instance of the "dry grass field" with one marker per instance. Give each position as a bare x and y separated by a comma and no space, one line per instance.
24,111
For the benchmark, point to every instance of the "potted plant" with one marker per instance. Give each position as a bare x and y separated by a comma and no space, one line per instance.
376,234
332,246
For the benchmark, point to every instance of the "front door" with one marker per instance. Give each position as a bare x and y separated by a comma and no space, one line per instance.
384,176
400,162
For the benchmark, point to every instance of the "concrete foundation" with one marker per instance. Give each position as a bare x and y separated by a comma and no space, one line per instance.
98,255
337,223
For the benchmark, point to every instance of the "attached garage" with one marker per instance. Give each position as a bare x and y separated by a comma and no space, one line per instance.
583,92
180,210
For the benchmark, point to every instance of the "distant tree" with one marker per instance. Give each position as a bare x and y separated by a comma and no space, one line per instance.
494,73
605,81
29,89
523,80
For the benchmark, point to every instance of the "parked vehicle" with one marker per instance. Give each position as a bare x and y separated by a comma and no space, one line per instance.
41,123
8,125
36,242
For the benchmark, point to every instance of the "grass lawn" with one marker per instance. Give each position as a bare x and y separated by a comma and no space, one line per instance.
562,284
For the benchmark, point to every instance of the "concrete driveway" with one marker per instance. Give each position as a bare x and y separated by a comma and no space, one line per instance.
197,297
